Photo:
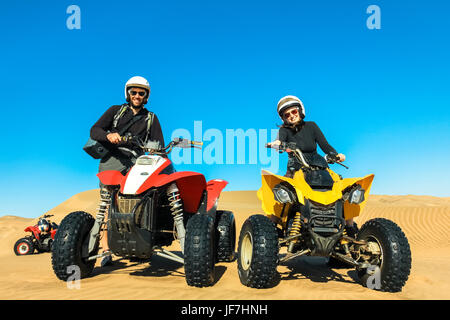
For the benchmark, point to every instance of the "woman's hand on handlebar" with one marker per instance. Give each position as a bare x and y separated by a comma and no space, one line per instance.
335,158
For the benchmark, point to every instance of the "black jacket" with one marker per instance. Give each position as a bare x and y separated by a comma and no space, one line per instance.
306,135
104,125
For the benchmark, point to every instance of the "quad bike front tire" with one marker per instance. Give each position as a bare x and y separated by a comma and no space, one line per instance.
67,246
258,252
225,236
24,246
199,251
395,261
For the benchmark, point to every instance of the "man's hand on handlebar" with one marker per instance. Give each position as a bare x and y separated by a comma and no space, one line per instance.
114,138
273,144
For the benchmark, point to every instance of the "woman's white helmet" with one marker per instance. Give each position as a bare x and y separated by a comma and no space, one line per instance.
288,102
137,82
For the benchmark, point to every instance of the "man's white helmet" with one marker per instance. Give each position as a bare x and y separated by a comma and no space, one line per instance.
137,82
288,102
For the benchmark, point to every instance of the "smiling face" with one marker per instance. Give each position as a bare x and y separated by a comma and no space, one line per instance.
137,96
292,115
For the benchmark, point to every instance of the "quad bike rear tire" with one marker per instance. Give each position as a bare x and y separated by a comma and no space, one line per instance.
23,246
67,246
225,236
199,253
258,252
395,264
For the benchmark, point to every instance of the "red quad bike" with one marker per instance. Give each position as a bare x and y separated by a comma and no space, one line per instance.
41,237
147,209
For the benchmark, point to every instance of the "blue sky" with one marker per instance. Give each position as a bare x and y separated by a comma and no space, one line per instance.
380,96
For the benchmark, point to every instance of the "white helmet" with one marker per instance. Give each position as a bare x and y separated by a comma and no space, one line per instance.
288,102
43,225
137,82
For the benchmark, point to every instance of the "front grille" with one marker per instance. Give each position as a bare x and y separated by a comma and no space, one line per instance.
126,205
324,216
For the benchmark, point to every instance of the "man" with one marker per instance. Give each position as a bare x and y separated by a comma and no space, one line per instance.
132,118
106,129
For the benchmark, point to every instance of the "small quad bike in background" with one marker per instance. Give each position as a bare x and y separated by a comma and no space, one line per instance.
147,209
40,239
307,214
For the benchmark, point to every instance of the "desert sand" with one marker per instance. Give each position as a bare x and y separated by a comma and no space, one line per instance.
424,219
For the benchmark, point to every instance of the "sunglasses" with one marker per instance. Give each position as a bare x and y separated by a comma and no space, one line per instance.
291,113
141,93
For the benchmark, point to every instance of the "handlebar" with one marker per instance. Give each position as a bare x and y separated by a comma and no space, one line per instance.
154,147
46,216
291,147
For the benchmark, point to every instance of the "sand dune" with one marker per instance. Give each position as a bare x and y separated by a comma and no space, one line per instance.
424,219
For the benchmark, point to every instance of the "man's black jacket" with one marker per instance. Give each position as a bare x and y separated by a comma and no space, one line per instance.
104,125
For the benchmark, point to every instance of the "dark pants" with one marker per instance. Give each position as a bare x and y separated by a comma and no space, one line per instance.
118,163
292,166
115,162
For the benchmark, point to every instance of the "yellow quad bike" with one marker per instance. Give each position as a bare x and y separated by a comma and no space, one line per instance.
307,214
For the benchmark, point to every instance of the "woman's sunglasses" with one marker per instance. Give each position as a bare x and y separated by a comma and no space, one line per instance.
291,113
141,93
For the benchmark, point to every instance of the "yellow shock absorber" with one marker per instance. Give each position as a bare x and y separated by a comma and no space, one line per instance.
345,242
295,230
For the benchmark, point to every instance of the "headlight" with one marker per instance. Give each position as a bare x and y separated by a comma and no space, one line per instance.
356,196
283,194
144,160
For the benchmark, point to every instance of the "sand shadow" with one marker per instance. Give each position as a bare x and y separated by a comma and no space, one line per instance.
311,268
157,266
120,264
160,267
353,274
218,273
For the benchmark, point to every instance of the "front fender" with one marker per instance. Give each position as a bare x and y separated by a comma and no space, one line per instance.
190,184
269,205
214,188
354,210
34,230
111,177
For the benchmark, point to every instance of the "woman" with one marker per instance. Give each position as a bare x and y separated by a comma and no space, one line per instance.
306,135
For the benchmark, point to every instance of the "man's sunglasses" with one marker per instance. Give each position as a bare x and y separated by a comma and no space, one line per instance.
141,93
291,113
